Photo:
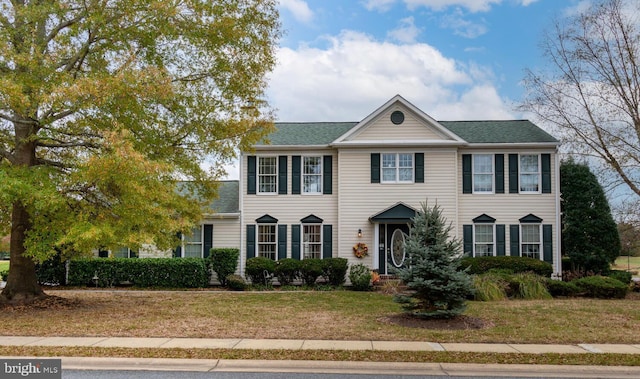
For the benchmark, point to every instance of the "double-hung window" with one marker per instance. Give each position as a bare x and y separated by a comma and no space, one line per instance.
397,168
312,175
267,174
483,173
267,241
530,173
483,240
312,241
193,243
530,240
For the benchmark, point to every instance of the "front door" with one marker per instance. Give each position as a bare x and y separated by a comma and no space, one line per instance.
391,246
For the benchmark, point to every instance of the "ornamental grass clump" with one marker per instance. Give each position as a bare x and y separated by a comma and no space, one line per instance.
437,288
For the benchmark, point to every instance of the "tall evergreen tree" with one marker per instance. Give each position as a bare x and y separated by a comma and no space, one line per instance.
438,289
590,236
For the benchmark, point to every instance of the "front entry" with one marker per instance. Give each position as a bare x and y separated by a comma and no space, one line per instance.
391,251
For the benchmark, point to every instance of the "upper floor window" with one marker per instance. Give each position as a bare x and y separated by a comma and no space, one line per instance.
483,173
530,240
267,241
312,175
267,174
530,173
312,241
397,168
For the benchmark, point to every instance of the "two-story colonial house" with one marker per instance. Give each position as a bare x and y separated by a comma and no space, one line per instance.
314,190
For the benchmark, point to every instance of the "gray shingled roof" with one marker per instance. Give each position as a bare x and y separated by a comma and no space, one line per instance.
307,133
490,131
228,197
513,131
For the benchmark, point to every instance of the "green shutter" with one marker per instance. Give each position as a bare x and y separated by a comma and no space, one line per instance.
547,243
327,168
467,240
375,168
546,173
499,162
208,240
500,240
466,173
327,241
513,173
282,175
295,242
514,236
296,174
282,242
251,175
251,241
419,175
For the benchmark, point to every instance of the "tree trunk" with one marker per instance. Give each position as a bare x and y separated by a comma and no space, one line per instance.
22,284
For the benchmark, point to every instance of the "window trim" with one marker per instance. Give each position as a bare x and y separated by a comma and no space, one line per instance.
186,243
493,238
304,244
259,176
397,169
538,173
320,175
492,173
540,240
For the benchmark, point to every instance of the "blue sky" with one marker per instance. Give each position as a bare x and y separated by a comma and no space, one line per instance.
454,59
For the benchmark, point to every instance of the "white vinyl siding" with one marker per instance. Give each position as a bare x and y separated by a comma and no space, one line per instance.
267,174
311,241
312,175
483,173
484,240
397,168
530,173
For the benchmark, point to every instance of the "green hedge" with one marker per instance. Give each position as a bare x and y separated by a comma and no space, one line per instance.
335,270
287,270
260,270
223,262
623,276
559,288
144,272
602,287
481,265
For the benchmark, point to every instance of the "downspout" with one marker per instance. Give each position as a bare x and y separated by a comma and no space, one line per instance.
558,264
242,246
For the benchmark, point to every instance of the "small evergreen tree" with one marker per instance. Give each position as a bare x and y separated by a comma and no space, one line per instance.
590,236
437,288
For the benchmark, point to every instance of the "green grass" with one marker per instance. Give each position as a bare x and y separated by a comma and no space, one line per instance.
4,265
627,263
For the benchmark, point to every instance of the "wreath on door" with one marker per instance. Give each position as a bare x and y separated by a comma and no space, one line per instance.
360,250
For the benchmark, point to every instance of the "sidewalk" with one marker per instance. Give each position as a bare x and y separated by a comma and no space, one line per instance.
277,344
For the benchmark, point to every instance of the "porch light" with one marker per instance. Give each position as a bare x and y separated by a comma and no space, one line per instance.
359,233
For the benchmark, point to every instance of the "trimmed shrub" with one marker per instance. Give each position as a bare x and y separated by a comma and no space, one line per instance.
489,287
287,270
310,270
559,288
4,274
623,276
223,262
360,277
144,272
260,270
51,272
335,270
236,282
480,265
602,287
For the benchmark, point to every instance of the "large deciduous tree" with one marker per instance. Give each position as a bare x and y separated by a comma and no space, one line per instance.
106,104
590,89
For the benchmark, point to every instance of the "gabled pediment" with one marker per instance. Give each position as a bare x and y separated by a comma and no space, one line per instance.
399,213
266,219
484,219
530,219
311,219
399,122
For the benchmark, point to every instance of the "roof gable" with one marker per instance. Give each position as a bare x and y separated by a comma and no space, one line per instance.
398,213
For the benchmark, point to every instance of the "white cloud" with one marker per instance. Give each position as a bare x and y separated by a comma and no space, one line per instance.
355,74
379,5
471,5
406,33
462,27
299,9
526,3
